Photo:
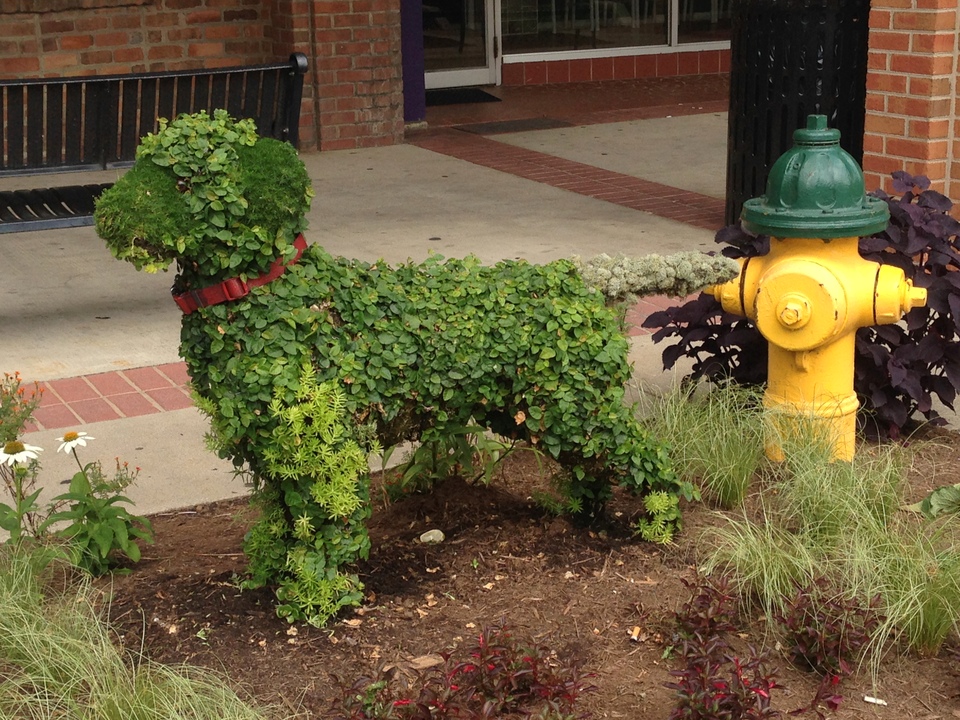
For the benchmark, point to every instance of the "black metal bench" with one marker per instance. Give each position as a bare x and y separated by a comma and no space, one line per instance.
95,123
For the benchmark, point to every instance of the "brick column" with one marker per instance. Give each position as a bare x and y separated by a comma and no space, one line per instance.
912,106
359,74
353,91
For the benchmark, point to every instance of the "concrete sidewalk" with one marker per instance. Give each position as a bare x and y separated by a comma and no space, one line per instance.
84,323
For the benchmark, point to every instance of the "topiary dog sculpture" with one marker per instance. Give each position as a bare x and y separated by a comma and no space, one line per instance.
306,362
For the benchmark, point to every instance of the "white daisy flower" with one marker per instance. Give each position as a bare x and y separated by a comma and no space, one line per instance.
18,452
71,439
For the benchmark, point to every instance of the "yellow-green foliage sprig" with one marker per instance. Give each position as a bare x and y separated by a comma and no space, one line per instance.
663,517
317,469
313,444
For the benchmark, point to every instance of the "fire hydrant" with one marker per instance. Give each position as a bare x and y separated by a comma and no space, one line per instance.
812,291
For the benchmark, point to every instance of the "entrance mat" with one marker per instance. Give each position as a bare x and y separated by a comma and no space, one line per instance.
512,126
459,96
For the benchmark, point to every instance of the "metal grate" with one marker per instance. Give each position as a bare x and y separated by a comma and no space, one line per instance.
97,122
790,59
47,208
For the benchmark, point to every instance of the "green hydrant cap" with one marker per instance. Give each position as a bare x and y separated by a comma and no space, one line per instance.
815,190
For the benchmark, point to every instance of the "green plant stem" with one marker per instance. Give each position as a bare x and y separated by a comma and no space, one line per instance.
79,464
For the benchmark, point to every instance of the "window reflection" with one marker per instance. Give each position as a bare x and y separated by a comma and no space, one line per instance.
704,20
531,26
551,25
454,34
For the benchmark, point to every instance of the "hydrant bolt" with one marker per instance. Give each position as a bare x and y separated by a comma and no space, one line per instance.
794,311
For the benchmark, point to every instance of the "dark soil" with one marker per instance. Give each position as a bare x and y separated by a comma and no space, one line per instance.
504,560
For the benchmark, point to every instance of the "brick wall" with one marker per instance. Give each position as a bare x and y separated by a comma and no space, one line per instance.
358,72
353,92
137,37
624,67
913,111
289,32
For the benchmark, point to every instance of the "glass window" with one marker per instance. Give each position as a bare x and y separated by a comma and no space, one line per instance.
531,26
454,34
704,20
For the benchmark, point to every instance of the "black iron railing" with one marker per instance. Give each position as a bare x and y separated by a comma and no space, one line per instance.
95,123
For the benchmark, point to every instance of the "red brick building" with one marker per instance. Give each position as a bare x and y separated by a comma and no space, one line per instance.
354,90
361,50
913,108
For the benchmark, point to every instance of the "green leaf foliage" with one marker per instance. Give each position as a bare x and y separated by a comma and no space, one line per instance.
98,527
420,351
428,347
943,500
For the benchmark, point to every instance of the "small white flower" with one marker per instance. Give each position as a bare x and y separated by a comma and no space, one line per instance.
18,452
71,439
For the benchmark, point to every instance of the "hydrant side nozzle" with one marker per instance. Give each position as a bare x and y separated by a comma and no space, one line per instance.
719,291
895,295
913,296
729,294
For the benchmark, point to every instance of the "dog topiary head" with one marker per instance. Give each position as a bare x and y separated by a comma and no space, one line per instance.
210,194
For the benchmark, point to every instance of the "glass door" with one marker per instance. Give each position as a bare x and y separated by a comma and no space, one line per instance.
460,39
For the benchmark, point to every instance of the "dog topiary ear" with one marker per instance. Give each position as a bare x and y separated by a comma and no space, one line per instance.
143,217
277,188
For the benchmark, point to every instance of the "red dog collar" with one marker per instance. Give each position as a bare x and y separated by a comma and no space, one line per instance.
235,288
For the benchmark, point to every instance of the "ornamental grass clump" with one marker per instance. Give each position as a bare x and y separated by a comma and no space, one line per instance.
716,435
829,499
917,575
58,658
840,528
415,352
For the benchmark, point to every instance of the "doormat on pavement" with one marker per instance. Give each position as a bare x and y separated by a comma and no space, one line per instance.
512,126
459,96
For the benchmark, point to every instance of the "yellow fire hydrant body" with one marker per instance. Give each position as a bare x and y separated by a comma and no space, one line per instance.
812,291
